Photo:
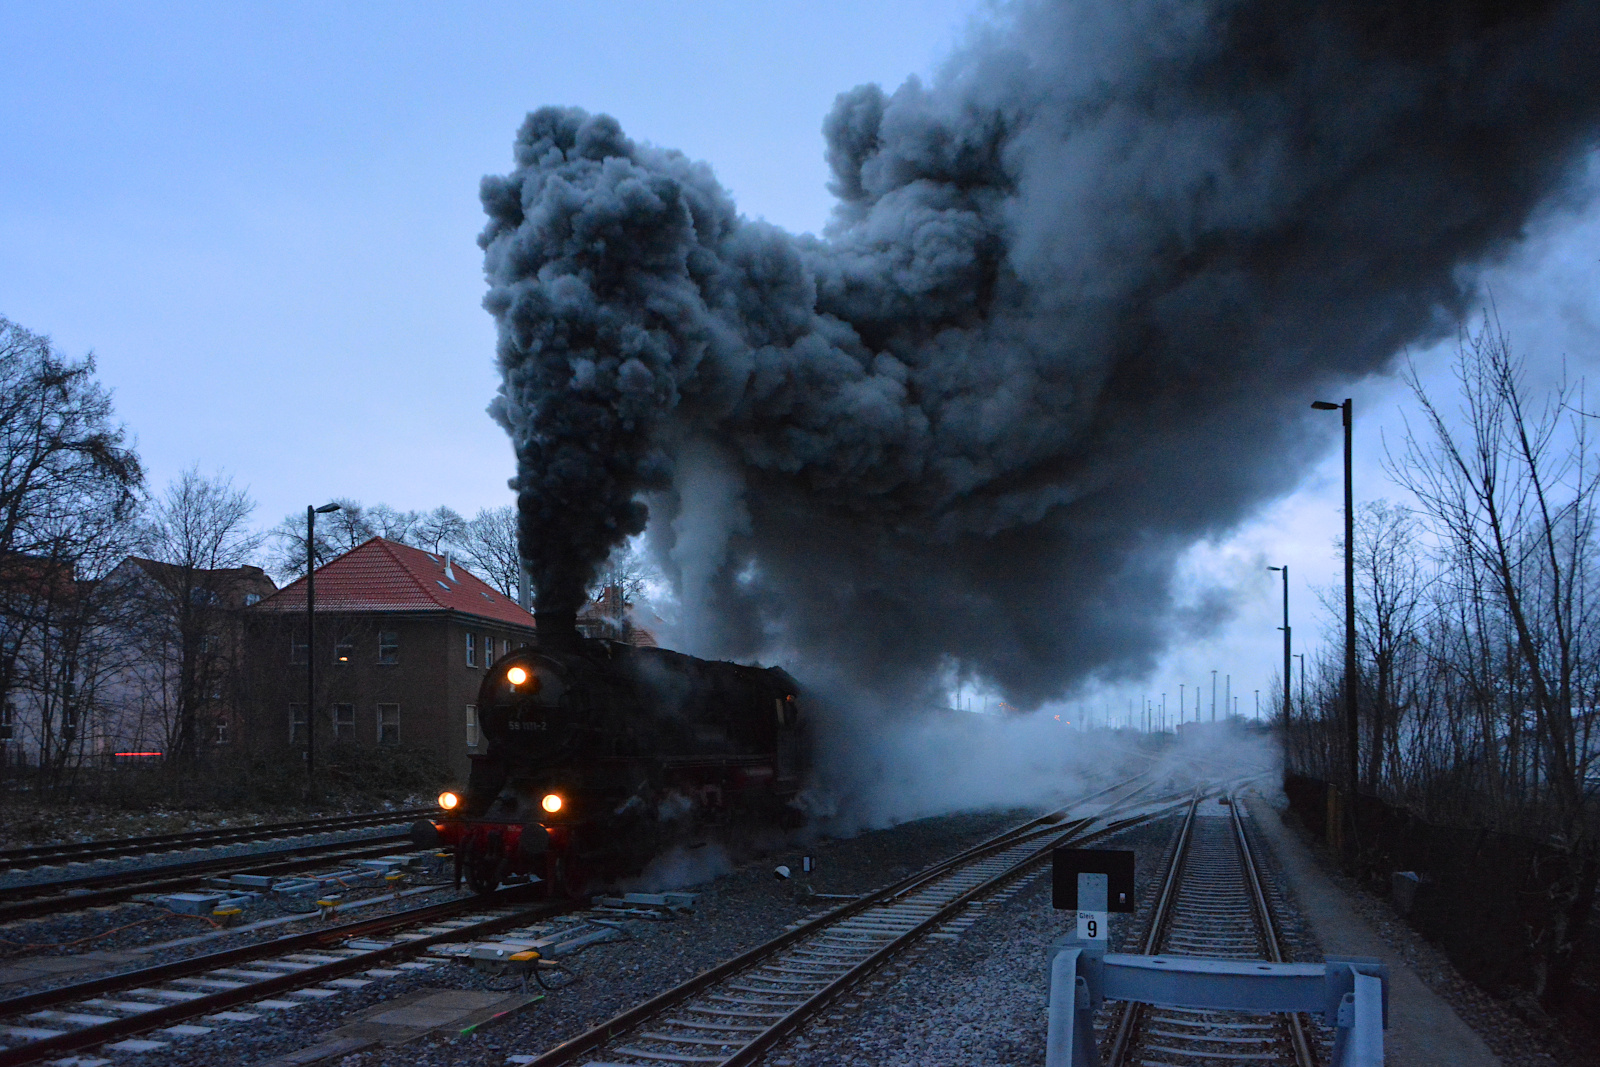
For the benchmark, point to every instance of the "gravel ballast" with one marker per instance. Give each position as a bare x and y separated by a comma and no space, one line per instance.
733,913
977,996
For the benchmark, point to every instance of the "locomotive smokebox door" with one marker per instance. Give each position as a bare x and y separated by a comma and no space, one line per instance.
1114,868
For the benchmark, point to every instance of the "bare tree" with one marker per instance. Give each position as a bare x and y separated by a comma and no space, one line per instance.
337,532
488,544
1517,499
384,521
68,484
440,530
199,544
1389,601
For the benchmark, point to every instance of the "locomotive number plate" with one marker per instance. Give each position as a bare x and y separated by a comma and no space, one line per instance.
528,725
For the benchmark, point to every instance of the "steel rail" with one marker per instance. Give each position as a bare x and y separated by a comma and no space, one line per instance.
1152,936
166,1015
223,999
21,859
622,1023
1266,931
47,900
1272,933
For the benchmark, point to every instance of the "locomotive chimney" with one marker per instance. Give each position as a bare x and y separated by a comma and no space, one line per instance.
557,629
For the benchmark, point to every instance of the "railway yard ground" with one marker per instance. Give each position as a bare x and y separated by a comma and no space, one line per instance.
23,825
972,991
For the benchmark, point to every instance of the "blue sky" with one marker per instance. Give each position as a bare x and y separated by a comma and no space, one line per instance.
262,221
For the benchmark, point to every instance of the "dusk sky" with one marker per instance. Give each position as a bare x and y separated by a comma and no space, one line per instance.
263,225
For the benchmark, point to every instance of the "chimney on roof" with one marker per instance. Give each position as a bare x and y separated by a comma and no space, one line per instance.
448,573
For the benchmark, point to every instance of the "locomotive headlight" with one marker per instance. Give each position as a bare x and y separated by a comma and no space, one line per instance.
551,802
516,676
448,800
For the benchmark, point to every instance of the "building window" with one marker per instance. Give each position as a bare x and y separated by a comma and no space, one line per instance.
488,650
252,599
345,648
344,720
205,643
222,732
297,724
472,726
388,646
388,724
297,648
472,650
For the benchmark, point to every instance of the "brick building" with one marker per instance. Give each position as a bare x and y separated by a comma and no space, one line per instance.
403,640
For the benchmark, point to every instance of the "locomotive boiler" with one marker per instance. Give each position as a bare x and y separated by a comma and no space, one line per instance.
600,755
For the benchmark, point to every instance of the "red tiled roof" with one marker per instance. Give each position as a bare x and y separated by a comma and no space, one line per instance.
382,575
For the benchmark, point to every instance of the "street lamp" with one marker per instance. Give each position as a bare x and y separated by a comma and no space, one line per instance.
311,633
1352,734
1286,657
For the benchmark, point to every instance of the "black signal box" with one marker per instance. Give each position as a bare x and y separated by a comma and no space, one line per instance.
1115,864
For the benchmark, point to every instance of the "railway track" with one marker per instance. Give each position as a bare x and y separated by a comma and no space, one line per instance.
734,1012
1213,903
788,978
50,898
22,859
109,1012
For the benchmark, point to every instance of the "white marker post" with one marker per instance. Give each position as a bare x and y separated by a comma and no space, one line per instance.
1094,891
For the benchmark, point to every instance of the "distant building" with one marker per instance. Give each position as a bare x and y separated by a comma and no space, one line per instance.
611,616
403,639
142,660
178,644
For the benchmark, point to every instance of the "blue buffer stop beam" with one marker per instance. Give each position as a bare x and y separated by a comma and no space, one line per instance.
1350,992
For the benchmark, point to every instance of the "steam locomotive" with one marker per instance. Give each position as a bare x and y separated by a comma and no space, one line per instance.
600,755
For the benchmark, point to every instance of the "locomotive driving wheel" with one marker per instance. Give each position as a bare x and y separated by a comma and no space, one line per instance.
570,877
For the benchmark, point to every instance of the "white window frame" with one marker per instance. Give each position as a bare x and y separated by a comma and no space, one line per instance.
344,727
383,721
297,724
472,726
472,649
388,646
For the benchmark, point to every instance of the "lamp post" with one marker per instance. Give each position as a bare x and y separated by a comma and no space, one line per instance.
1352,735
311,635
1301,656
1286,655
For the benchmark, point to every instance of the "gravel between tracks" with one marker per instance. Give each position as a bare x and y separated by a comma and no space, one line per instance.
734,913
160,859
981,999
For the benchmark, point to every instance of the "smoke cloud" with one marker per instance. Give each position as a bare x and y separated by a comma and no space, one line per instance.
1067,317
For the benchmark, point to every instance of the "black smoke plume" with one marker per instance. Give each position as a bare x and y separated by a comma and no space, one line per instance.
1073,302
